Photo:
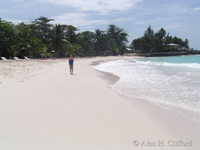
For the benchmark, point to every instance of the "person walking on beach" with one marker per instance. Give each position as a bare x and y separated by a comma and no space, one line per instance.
71,63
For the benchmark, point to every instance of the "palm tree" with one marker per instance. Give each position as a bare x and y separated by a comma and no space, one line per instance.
70,33
87,40
6,34
59,42
119,37
42,29
100,43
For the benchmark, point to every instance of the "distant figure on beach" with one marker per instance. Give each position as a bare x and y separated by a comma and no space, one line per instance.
71,63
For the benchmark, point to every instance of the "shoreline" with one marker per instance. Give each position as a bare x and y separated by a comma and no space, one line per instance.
167,54
188,113
50,109
168,114
109,77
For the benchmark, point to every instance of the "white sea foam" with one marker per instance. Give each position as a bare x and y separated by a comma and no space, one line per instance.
163,83
189,65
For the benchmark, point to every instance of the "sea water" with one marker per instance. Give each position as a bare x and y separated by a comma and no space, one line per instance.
169,82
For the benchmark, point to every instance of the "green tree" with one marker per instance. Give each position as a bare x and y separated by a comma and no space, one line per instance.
74,49
43,30
186,43
11,40
71,33
87,40
118,39
160,40
26,43
150,43
168,40
6,34
149,32
102,43
141,45
36,47
59,41
157,42
24,34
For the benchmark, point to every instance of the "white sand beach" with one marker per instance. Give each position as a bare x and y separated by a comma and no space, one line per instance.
43,107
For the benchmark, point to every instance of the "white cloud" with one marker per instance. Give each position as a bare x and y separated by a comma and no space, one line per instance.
176,26
15,21
197,9
96,5
77,19
82,20
18,0
162,19
140,22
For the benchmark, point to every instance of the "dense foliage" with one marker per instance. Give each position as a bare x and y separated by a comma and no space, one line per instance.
40,38
158,42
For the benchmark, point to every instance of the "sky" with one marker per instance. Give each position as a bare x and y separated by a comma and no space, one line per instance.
179,18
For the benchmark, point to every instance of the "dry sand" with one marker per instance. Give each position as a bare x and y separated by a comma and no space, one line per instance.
43,107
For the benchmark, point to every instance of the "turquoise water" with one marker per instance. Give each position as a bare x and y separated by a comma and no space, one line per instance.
170,82
178,59
191,61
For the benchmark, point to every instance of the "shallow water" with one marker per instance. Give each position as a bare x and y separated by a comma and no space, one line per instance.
172,82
